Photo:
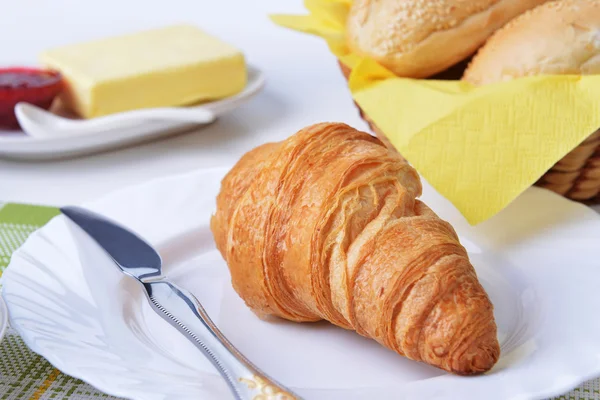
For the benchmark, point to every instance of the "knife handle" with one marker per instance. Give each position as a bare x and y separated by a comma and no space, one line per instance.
183,311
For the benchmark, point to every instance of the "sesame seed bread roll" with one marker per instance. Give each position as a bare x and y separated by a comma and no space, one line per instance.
419,38
559,37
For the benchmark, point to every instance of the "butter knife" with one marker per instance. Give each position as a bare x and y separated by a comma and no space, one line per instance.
177,306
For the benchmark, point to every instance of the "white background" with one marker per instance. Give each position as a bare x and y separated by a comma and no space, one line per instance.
304,86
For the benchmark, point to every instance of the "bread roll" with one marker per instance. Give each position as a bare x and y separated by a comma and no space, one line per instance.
559,37
419,38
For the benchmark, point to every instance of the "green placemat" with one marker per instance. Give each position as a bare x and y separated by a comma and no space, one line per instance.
26,375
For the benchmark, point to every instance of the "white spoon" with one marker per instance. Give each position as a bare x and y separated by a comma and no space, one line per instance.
40,123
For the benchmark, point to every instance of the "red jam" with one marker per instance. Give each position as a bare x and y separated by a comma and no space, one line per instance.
30,85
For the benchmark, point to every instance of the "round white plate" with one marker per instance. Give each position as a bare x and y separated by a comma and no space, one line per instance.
538,260
18,145
3,318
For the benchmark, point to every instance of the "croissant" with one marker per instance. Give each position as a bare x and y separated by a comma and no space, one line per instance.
326,226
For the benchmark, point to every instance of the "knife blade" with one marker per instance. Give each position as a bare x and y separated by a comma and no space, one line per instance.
180,308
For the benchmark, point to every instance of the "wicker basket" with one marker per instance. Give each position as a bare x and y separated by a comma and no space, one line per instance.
576,176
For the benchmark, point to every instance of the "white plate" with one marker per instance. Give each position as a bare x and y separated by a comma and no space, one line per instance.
538,260
18,145
3,318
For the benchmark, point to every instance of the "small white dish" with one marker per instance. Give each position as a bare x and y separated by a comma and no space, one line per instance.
66,137
538,261
3,318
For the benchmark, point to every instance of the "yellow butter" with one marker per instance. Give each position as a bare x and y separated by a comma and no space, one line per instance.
173,66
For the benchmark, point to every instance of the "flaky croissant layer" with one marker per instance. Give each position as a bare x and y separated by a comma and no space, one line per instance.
326,225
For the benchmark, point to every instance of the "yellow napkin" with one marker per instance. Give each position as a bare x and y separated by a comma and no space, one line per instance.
480,147
327,19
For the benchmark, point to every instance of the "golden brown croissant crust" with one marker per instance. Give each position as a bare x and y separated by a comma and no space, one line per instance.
326,225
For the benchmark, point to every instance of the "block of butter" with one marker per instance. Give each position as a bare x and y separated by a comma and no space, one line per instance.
172,66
